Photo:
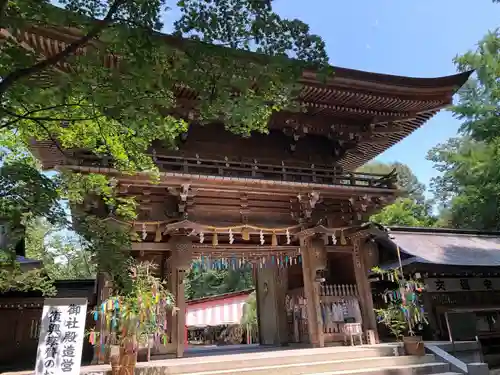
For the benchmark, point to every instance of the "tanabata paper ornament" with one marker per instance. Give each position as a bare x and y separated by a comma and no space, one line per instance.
334,238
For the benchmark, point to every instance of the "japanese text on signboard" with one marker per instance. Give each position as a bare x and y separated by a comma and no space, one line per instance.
462,284
61,337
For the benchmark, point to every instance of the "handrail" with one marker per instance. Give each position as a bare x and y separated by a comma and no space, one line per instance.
455,363
318,174
476,368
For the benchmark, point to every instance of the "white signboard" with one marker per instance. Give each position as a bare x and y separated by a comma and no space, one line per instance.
61,336
466,284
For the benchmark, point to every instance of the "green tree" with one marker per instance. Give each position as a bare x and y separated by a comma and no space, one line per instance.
412,210
203,283
407,213
26,195
469,185
407,181
118,112
34,224
60,252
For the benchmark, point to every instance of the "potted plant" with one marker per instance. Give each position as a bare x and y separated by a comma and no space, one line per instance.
134,317
403,312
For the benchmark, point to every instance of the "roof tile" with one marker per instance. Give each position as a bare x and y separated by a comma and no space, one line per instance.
450,249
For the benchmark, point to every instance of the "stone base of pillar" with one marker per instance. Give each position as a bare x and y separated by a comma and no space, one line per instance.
371,337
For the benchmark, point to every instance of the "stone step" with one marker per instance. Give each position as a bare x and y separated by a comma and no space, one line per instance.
272,359
303,366
418,369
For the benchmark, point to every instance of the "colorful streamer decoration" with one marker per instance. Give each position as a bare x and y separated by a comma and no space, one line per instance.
252,261
404,298
142,315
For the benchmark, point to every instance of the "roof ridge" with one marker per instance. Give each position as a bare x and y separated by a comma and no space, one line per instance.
448,234
455,231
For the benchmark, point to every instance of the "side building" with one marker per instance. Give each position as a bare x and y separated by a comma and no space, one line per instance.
460,270
20,324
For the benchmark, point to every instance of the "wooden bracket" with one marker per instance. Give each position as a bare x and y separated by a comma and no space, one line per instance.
307,203
184,194
244,210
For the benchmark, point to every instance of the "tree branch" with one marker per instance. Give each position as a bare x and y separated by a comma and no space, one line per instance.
26,116
16,75
28,113
54,140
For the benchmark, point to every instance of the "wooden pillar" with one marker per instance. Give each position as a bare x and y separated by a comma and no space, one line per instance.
181,314
103,290
317,256
311,293
176,323
364,290
258,298
281,291
431,316
179,261
271,288
172,320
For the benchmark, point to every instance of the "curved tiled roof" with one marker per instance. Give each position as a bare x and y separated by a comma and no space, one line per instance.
383,108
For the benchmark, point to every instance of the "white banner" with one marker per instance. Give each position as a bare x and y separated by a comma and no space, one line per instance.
473,284
61,336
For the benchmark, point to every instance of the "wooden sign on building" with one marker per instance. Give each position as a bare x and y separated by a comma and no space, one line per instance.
466,284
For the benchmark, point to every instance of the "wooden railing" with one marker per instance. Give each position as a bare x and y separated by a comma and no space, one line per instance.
317,174
340,310
338,290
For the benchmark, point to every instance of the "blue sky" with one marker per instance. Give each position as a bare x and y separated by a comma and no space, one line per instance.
416,38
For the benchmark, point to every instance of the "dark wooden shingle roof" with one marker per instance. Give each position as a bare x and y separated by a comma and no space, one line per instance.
381,109
450,248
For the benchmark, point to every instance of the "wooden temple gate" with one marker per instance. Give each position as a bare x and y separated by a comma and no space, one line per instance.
291,260
287,203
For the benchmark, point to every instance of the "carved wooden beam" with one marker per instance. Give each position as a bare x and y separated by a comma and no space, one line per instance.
307,203
151,246
185,195
320,229
391,127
